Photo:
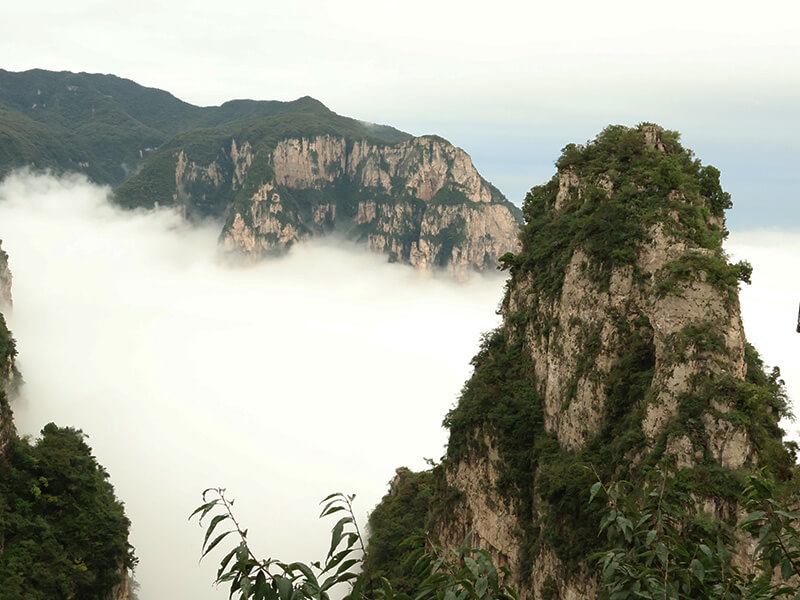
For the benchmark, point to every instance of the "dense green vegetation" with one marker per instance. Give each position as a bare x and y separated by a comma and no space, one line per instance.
625,189
9,379
397,527
662,550
210,161
63,534
106,126
648,186
455,574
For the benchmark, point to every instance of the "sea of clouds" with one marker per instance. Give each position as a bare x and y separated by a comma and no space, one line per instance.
322,371
318,372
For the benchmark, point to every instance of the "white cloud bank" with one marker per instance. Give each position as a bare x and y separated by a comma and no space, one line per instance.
770,304
319,372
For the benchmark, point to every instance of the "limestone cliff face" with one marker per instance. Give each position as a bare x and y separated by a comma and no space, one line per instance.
621,345
9,376
5,280
422,166
121,591
420,201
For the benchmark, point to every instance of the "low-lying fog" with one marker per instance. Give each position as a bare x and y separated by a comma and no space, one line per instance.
322,371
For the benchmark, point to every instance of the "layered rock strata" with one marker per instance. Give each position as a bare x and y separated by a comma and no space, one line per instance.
419,201
5,280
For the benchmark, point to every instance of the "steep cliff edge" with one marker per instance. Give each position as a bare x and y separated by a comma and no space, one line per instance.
63,533
5,280
9,376
274,173
419,200
621,349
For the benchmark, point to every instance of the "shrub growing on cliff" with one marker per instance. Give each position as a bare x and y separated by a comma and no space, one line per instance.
462,574
63,534
664,550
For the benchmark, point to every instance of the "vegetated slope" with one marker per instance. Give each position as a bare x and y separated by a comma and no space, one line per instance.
63,533
100,125
104,125
274,173
306,171
621,351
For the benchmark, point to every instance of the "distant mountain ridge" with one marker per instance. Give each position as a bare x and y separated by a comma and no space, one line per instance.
62,120
275,172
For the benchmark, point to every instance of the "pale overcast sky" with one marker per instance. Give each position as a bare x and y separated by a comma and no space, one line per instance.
510,82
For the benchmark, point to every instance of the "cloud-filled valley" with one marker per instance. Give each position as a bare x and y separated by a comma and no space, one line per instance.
321,371
318,372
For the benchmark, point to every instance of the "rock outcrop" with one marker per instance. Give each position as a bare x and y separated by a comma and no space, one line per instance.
621,348
419,201
9,376
5,280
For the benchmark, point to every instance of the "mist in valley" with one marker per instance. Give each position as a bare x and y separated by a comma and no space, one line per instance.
317,372
322,371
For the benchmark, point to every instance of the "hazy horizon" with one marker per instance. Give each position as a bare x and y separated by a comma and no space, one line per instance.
512,83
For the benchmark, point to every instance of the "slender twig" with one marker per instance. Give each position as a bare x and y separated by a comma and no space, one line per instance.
262,566
355,524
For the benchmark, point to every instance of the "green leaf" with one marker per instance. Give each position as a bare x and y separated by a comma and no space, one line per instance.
224,563
284,587
651,535
204,508
336,534
756,515
213,544
697,569
481,586
214,522
472,566
386,587
305,570
260,587
346,565
594,490
331,510
661,552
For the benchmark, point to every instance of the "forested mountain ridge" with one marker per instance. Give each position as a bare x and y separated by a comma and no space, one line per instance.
621,356
274,172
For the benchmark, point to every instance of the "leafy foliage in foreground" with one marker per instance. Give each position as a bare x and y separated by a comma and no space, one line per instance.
463,574
63,534
664,551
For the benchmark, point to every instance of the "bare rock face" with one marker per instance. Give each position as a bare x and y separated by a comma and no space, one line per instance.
621,346
419,201
5,281
121,591
9,376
